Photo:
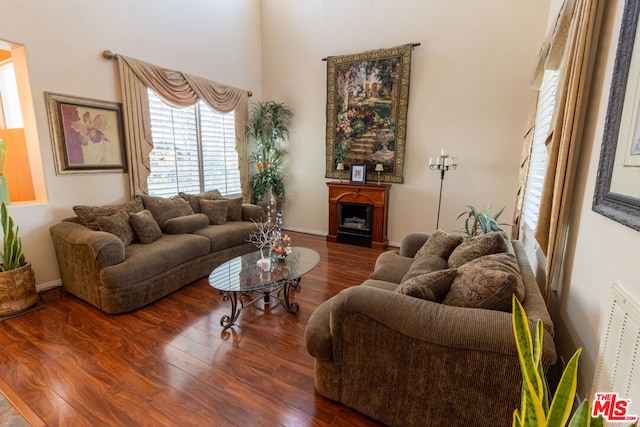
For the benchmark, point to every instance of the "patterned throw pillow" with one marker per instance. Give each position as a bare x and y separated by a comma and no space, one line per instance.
432,286
118,225
145,226
487,282
424,265
88,214
441,244
215,210
163,208
194,199
494,242
234,209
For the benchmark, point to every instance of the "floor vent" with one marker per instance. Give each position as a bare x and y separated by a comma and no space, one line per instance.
618,366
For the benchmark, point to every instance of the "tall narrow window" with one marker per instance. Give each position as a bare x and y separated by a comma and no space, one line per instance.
194,150
539,157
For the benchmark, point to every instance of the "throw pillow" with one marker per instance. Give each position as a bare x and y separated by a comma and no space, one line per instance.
424,265
145,226
234,209
475,247
194,199
163,208
431,287
88,214
186,223
440,244
118,225
487,282
215,210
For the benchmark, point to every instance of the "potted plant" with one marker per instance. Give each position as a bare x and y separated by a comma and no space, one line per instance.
17,281
536,409
478,222
269,125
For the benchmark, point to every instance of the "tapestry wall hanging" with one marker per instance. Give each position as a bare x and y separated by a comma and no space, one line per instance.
367,101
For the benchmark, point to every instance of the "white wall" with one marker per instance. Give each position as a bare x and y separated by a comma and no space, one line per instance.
219,40
469,94
600,251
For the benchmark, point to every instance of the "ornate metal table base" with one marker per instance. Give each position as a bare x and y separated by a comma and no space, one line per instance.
284,289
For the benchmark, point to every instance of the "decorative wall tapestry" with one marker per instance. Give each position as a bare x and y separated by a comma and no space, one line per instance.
367,100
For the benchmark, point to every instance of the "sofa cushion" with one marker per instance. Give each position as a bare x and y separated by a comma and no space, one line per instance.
194,199
424,265
215,210
234,209
391,267
143,262
118,225
477,246
145,226
431,286
186,223
88,214
163,208
227,235
487,282
380,284
440,244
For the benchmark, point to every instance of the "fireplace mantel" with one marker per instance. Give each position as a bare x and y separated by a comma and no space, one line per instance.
376,195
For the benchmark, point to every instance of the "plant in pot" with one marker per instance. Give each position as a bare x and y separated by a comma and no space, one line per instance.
478,222
269,125
17,281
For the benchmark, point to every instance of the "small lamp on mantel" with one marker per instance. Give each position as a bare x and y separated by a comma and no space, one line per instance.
379,168
340,168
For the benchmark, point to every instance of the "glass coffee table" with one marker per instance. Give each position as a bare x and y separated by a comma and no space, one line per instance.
238,279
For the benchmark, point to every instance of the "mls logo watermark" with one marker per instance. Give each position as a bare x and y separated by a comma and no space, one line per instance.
612,408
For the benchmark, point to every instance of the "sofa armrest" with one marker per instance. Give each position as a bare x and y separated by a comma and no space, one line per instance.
411,243
426,321
81,254
252,212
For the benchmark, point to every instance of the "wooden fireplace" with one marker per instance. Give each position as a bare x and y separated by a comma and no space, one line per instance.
358,214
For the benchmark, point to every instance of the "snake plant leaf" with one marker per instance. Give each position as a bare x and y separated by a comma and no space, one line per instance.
562,402
582,416
532,382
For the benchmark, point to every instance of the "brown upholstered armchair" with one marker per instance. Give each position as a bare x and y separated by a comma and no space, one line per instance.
411,362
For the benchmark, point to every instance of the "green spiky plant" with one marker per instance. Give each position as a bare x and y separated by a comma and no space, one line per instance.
11,256
536,410
269,125
478,222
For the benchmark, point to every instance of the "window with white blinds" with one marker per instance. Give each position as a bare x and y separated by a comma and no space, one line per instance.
193,150
539,157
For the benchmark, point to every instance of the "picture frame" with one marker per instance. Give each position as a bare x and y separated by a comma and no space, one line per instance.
359,173
616,196
367,103
86,134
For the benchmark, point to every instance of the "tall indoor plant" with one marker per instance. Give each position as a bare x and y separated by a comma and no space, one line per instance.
17,281
478,222
269,125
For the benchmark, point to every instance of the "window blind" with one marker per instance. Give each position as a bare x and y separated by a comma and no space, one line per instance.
193,150
539,157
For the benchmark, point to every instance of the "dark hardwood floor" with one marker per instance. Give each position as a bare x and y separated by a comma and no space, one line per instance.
171,363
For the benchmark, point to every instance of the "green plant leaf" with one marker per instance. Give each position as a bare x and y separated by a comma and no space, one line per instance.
582,416
562,402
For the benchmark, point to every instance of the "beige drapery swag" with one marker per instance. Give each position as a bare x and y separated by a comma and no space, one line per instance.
568,49
181,90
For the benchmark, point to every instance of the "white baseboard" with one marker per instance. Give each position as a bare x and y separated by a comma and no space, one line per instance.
48,285
307,231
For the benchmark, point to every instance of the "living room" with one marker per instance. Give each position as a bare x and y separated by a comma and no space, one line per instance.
470,94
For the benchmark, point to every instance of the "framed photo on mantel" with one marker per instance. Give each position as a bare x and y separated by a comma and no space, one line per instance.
359,173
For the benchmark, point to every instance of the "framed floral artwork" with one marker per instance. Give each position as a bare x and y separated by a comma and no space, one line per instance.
367,102
86,133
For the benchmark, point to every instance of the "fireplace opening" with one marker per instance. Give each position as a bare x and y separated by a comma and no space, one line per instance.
354,223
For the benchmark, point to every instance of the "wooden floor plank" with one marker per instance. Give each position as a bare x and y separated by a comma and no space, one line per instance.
172,364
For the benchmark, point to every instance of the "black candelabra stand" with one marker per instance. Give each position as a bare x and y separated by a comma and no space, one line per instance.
443,163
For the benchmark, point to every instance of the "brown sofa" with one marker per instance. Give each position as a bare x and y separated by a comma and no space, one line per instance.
409,361
107,262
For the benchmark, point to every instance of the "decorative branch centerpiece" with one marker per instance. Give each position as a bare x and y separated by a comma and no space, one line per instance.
261,238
